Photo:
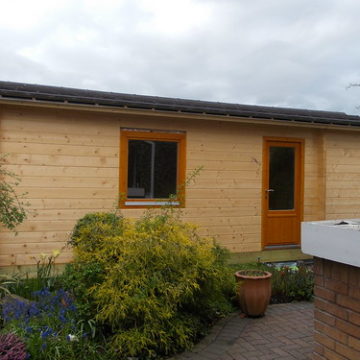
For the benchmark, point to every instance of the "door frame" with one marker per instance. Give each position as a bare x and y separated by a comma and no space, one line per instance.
265,171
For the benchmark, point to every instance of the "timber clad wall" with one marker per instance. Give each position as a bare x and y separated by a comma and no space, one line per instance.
69,164
343,175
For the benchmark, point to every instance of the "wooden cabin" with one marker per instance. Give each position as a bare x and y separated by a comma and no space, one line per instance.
264,169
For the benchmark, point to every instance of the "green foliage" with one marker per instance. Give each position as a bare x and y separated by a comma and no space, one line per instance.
48,327
12,208
59,346
89,235
288,283
5,285
154,283
90,231
45,271
45,277
79,278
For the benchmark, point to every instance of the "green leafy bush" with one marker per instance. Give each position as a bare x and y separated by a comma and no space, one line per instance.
91,230
88,237
155,283
287,283
290,284
79,278
12,207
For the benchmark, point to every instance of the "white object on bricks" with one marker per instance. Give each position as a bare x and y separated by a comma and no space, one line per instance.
337,240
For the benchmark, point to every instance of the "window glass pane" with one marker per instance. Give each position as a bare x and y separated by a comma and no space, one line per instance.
165,169
282,178
152,169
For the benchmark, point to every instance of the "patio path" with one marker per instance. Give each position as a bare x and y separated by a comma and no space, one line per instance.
285,333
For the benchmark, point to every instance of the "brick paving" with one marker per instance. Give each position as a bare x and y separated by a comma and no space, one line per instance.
284,333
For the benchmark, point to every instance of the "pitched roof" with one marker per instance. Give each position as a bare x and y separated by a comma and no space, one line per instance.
54,94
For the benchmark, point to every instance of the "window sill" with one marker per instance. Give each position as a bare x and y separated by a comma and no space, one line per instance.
151,203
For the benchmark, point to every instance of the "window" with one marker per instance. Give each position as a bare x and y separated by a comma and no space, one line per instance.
152,167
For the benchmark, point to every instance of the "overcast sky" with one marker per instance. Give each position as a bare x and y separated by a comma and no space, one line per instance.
293,53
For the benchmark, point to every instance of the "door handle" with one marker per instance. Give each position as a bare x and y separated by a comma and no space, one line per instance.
267,192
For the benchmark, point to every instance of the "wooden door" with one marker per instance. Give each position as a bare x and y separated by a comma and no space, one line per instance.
282,192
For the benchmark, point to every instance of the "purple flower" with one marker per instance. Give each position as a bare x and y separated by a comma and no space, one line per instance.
46,333
29,329
55,308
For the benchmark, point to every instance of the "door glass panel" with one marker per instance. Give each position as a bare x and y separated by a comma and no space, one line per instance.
281,178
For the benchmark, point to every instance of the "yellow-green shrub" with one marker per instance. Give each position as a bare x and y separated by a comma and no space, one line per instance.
88,237
90,231
161,285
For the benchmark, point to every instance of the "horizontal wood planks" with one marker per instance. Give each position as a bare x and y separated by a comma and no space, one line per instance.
69,165
342,175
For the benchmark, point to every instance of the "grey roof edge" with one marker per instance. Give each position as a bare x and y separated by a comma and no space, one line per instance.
55,94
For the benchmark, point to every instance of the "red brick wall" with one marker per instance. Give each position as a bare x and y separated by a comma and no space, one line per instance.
337,311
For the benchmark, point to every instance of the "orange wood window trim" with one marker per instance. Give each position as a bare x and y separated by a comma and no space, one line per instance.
125,136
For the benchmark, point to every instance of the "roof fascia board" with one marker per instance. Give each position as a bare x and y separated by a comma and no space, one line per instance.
174,114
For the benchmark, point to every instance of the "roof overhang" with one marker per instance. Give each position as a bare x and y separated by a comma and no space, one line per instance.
98,101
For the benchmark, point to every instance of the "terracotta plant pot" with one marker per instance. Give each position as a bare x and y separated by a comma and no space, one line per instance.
254,291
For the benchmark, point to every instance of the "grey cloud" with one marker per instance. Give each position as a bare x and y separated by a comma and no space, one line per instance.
287,53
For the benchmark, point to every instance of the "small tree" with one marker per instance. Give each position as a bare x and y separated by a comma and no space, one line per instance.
12,208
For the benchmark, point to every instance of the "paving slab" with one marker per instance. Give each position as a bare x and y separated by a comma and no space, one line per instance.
284,333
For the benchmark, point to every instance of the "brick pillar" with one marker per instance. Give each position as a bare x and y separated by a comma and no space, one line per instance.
337,311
